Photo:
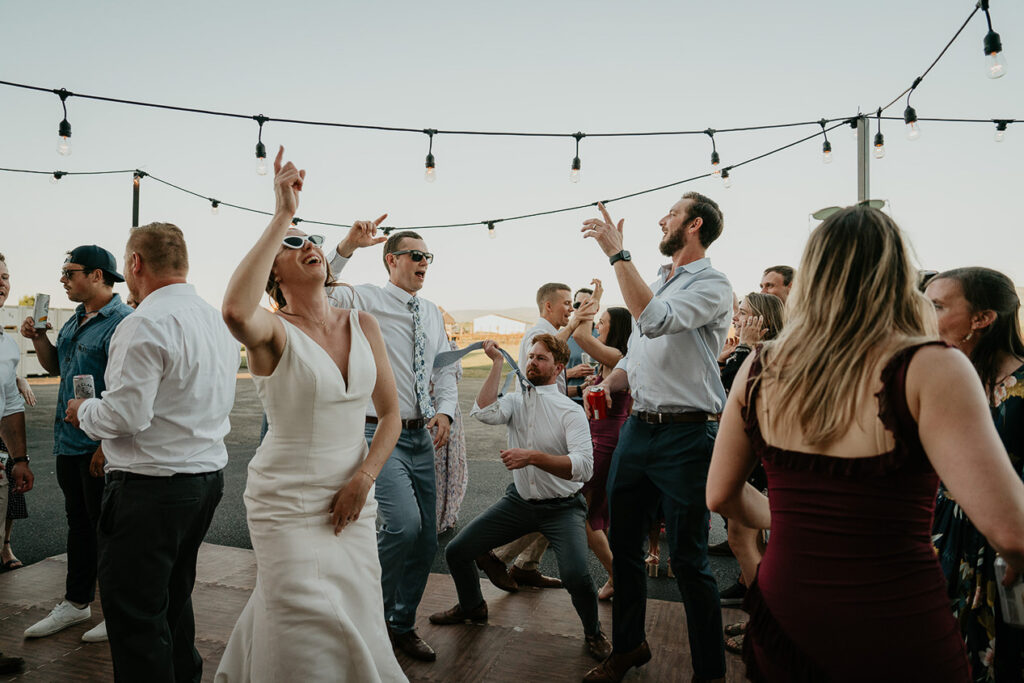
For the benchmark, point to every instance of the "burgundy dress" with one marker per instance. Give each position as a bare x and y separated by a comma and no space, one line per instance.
850,588
605,435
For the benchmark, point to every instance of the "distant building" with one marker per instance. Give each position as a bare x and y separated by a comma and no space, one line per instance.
498,324
11,318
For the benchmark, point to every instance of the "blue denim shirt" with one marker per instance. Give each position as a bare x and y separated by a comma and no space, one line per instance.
82,350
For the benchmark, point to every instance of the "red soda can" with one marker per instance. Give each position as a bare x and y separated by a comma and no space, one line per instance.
596,401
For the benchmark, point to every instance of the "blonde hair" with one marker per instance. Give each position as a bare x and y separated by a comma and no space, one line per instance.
771,309
161,247
855,289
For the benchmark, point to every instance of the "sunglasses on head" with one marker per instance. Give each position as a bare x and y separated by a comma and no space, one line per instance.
296,241
416,255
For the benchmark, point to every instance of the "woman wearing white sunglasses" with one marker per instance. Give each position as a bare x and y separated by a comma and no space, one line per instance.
317,611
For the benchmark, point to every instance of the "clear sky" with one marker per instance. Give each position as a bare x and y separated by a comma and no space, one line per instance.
535,66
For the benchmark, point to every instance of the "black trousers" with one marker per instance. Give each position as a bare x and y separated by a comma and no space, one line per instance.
83,495
149,535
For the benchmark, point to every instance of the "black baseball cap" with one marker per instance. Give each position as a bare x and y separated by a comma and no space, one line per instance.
92,257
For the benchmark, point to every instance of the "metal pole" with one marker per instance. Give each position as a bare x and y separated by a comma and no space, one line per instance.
135,200
863,159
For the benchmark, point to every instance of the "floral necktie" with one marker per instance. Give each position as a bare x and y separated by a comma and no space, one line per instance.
419,362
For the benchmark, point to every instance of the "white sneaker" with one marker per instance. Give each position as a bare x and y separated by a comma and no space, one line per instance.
97,634
63,615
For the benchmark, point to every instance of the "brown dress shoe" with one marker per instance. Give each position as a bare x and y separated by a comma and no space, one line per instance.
457,615
533,577
412,645
497,572
599,646
615,667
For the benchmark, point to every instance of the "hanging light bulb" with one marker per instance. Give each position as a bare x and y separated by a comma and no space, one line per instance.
913,127
726,178
64,129
261,149
995,62
574,170
879,145
57,175
826,152
430,175
715,159
490,231
214,207
1000,130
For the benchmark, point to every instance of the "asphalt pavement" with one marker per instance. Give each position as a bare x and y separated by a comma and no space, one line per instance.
44,533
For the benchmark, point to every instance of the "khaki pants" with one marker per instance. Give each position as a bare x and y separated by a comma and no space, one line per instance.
527,550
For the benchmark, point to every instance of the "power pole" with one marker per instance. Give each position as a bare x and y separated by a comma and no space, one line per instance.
863,159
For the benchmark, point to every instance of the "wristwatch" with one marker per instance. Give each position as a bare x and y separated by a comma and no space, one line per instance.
21,459
621,256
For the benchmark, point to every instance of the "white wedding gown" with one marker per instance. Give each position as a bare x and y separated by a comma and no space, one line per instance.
316,613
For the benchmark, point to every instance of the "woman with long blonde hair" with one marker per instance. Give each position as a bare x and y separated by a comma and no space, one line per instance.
851,412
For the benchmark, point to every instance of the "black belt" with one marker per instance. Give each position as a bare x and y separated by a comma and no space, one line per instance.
548,501
418,423
674,418
121,475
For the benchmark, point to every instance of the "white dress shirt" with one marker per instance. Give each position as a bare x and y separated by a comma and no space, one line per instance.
546,420
542,326
170,382
390,306
11,401
672,362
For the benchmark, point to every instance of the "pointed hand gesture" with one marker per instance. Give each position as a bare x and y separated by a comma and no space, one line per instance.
605,231
287,185
361,234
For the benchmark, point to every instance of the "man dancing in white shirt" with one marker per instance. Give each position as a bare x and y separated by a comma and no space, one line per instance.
170,386
550,455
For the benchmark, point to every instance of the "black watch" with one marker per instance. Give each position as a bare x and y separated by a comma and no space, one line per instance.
21,459
621,256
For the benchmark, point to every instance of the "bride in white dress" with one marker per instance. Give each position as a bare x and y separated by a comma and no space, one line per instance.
317,612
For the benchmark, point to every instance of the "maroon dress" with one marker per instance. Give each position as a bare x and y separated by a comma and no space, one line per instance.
850,588
605,435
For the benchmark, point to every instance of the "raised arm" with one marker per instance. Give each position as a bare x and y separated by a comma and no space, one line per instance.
251,324
489,391
348,502
608,356
608,234
962,444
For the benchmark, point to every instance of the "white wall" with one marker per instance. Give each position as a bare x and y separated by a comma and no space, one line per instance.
498,324
11,318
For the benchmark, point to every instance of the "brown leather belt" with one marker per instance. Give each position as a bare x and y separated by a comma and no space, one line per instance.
674,418
418,423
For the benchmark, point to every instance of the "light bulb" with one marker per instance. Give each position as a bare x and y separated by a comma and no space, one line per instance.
1000,131
64,138
574,172
715,162
214,207
726,179
261,158
54,178
826,152
491,233
995,65
913,130
430,175
879,145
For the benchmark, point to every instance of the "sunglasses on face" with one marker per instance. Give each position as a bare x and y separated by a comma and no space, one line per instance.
416,255
296,241
66,273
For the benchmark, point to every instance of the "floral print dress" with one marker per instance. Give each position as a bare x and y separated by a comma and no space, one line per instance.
995,650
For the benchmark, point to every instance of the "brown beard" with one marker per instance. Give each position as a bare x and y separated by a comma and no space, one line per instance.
673,242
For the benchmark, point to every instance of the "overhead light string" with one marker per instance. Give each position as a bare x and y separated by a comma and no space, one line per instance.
826,146
574,170
430,175
995,61
64,128
715,160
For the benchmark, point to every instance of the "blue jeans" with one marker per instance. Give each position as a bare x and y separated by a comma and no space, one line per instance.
563,523
406,543
666,464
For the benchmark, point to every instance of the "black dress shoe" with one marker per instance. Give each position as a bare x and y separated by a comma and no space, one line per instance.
457,615
497,572
412,645
533,577
11,665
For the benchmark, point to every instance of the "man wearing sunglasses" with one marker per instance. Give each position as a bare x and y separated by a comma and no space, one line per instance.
413,330
88,276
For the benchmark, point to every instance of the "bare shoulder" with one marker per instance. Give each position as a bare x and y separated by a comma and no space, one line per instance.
368,322
934,361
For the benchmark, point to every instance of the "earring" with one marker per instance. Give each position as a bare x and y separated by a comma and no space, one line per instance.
968,337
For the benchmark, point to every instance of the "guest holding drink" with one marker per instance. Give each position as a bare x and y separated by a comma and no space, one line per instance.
978,311
613,328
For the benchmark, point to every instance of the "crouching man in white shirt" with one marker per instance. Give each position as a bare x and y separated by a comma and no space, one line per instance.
550,455
170,382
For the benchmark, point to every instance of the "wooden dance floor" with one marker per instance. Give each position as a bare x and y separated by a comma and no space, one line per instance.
533,635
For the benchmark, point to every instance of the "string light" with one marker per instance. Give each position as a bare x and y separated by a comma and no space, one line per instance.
574,171
490,230
826,147
295,221
57,175
261,149
430,175
715,160
214,207
64,128
726,179
995,62
879,138
910,114
1001,130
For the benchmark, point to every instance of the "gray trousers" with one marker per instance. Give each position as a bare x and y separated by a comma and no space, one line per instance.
561,520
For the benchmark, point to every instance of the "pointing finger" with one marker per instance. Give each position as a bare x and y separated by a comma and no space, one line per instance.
604,212
277,159
379,220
